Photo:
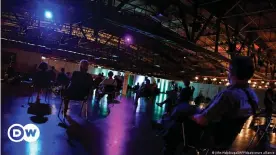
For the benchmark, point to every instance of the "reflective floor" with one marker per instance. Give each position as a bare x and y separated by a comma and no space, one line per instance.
113,129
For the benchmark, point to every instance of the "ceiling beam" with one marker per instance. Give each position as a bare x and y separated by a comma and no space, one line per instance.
122,4
255,13
261,29
207,3
203,27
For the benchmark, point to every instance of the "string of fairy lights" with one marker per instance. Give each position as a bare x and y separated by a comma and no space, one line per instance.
254,83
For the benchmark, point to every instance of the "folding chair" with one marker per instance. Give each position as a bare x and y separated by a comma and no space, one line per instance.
108,90
34,90
217,136
262,134
82,101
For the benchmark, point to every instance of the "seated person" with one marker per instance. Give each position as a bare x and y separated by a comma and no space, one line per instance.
171,100
136,87
154,90
52,74
80,85
41,79
237,101
199,99
108,86
98,81
144,91
62,78
186,93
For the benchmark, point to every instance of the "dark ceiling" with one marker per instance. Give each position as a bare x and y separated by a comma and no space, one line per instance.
171,39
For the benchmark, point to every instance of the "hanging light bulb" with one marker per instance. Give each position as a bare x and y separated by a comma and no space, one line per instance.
196,78
249,81
205,79
227,84
215,79
219,82
262,81
253,85
260,87
255,82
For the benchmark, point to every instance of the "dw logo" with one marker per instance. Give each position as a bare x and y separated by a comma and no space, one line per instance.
29,133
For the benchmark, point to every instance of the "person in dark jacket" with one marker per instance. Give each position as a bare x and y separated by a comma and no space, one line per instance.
235,102
41,79
171,100
80,85
62,78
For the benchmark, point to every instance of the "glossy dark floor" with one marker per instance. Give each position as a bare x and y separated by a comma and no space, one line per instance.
117,129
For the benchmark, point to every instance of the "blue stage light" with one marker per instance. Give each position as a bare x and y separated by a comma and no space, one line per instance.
48,14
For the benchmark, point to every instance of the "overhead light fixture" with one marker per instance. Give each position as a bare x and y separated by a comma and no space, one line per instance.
48,14
43,58
249,81
205,79
196,78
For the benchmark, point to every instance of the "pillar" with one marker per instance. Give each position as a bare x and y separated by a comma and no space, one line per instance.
125,84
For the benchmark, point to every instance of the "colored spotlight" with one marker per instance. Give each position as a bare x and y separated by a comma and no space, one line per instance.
128,39
48,14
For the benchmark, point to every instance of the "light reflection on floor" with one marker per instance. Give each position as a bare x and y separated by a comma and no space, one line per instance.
159,111
33,148
116,131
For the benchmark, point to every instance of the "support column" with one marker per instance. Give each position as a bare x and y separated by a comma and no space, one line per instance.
125,84
217,34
